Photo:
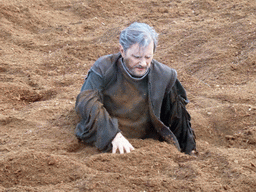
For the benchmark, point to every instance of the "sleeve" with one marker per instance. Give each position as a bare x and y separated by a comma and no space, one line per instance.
96,125
175,116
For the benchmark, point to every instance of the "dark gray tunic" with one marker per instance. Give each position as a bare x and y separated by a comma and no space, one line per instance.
127,100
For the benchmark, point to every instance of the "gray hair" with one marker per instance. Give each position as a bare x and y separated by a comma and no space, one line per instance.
138,33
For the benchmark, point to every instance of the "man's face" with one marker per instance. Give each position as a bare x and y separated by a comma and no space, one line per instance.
138,59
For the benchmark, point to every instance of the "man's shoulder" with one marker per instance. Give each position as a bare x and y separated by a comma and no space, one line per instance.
104,63
163,70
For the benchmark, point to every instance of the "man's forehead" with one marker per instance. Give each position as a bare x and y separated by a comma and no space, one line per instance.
139,49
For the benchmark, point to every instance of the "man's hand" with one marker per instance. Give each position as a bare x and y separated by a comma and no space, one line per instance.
121,143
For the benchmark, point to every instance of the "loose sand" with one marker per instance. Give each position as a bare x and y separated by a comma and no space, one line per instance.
46,49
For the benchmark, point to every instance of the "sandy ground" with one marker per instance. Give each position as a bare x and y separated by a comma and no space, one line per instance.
46,49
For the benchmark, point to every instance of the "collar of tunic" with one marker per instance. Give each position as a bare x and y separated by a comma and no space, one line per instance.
127,72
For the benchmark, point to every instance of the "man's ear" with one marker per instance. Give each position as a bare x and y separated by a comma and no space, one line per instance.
121,50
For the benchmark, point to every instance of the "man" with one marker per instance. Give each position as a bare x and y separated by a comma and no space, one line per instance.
130,95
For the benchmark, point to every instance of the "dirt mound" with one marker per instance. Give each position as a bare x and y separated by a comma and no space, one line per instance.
46,50
33,169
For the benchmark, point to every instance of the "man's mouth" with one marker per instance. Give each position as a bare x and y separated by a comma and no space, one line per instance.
141,68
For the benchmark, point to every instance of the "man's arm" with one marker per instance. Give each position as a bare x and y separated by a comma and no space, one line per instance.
175,115
96,125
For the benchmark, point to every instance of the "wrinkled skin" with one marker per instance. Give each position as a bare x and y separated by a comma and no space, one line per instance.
137,59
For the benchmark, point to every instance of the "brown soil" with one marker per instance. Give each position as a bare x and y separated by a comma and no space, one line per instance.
46,49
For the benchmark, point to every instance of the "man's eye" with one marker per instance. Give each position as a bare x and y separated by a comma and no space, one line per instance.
147,57
137,57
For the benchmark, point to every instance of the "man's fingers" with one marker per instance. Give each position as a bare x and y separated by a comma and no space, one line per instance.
114,148
122,144
127,150
121,150
130,147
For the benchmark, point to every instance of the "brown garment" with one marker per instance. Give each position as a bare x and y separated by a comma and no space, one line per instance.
127,100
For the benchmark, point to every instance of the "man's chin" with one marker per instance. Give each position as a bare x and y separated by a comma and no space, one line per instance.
139,74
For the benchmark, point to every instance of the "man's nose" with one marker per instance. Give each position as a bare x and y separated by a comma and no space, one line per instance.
143,63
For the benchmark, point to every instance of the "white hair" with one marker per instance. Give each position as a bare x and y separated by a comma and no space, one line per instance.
140,33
